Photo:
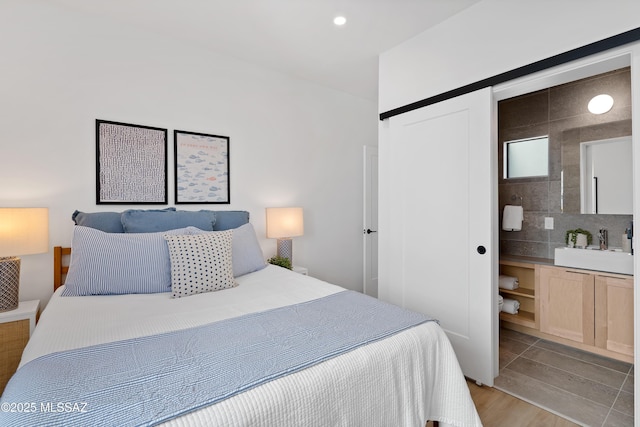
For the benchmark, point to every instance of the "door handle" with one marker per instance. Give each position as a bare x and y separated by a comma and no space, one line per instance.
369,231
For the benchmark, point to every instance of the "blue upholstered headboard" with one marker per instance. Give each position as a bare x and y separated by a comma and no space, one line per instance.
151,220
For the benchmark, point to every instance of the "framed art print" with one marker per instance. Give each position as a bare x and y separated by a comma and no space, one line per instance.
201,168
131,164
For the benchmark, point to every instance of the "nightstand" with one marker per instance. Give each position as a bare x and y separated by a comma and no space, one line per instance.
16,327
301,270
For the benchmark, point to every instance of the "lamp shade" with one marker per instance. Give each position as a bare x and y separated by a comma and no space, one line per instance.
24,231
284,222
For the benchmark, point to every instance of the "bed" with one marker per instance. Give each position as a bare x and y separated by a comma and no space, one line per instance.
271,348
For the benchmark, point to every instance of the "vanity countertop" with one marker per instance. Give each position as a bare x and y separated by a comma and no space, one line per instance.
528,259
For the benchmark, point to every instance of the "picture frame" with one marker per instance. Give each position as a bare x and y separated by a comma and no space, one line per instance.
131,164
202,174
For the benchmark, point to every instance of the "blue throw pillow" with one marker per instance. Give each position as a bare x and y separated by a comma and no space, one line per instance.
226,220
109,222
118,263
150,221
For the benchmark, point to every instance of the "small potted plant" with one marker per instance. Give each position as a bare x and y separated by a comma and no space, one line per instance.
280,261
573,238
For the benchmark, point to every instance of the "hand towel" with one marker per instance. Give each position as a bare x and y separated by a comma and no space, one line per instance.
512,218
508,282
510,306
500,302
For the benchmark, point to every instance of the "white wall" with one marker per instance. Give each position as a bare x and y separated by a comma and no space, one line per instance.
292,142
494,36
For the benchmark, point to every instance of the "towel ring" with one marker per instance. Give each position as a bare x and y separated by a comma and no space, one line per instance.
515,197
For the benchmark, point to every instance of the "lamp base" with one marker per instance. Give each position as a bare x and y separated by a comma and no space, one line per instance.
285,248
9,283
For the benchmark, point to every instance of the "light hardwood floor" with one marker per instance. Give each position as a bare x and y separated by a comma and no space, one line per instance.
498,409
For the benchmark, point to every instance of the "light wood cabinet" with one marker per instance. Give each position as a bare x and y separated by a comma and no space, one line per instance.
589,310
614,313
567,304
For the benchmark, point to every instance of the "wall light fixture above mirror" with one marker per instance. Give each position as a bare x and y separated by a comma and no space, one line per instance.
600,104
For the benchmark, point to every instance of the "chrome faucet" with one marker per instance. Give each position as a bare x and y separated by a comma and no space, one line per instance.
603,237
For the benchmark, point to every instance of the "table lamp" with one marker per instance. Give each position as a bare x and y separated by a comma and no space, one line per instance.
23,231
283,224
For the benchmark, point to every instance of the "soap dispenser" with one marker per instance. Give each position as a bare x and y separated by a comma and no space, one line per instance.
626,241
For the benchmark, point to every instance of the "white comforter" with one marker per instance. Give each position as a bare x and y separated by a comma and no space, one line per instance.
403,380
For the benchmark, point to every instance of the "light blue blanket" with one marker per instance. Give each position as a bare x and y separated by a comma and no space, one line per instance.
148,380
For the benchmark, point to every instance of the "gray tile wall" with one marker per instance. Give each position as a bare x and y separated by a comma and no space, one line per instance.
561,113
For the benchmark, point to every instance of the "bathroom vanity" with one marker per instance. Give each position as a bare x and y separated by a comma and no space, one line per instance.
587,309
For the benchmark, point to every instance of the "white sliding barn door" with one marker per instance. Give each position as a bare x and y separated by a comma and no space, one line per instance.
437,243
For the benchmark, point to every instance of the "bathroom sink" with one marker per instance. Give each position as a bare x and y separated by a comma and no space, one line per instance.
595,259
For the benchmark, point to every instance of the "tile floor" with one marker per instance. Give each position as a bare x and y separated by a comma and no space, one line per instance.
588,389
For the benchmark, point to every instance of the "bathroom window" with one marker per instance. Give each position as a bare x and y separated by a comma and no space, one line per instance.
525,158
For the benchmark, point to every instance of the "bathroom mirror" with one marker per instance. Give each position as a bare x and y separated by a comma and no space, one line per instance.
606,177
597,176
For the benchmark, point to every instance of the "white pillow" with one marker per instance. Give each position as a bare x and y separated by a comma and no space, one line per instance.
200,263
118,263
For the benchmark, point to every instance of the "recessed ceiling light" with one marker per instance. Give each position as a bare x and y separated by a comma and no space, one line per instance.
339,20
600,104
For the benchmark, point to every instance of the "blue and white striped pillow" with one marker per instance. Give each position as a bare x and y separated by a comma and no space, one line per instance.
118,263
247,255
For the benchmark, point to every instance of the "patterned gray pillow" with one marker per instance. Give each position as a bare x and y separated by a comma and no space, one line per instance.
200,263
